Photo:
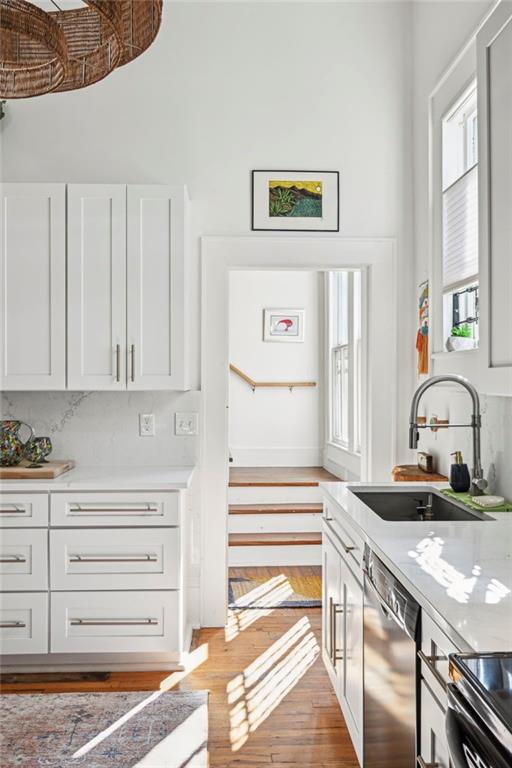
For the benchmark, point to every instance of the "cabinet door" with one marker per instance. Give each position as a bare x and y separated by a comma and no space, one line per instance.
494,65
157,288
96,286
332,626
352,678
33,286
433,745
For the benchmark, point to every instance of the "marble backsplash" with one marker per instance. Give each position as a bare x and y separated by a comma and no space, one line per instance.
102,428
496,434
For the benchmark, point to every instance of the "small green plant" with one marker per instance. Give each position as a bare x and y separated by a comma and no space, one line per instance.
461,330
281,201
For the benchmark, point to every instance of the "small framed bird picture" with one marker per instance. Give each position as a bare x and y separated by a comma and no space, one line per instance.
283,325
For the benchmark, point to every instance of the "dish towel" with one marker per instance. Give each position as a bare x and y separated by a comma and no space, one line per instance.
466,499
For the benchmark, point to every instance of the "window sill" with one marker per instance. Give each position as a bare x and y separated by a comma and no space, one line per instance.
341,447
463,353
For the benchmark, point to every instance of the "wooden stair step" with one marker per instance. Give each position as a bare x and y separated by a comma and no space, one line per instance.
273,539
252,477
275,509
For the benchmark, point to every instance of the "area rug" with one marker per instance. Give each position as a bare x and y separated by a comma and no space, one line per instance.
276,591
104,730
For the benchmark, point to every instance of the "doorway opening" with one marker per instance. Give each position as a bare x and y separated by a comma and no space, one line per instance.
297,356
262,440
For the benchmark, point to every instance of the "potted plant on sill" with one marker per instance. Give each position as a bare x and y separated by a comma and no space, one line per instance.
460,338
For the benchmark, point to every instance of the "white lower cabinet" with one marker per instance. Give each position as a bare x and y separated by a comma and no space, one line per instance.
102,575
343,635
23,559
23,510
118,559
24,623
103,622
435,649
433,745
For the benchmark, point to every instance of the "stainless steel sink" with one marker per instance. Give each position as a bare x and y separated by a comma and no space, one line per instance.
398,506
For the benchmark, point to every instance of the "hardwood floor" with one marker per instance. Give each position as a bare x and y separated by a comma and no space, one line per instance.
279,476
271,702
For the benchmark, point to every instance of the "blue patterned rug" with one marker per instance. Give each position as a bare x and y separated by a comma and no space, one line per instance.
104,730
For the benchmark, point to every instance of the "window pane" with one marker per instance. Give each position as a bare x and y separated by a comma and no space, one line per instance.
341,335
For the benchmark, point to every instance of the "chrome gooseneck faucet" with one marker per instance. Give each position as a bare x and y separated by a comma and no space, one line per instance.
478,482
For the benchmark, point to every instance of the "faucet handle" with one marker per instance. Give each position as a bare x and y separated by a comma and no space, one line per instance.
478,486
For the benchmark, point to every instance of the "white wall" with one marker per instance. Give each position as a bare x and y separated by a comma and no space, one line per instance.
439,31
228,87
275,427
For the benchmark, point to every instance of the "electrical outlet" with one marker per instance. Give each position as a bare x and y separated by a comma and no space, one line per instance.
146,424
186,424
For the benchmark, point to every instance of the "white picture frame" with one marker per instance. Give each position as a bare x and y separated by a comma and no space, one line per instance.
295,201
283,325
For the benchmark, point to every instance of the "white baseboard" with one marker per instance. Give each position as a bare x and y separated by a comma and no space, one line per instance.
276,457
285,555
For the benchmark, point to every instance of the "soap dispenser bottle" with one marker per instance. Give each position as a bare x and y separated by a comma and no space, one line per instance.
460,480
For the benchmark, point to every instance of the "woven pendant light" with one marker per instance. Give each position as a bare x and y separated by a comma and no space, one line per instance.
62,50
141,22
33,51
93,36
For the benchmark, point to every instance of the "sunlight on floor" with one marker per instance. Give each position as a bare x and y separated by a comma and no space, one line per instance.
185,746
194,660
271,593
266,682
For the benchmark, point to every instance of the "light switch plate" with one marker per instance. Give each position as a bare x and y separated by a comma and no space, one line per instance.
186,424
146,424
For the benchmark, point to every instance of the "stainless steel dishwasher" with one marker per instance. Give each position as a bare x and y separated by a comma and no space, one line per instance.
391,621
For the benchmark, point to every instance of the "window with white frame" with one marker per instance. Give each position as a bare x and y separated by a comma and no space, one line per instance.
460,222
345,358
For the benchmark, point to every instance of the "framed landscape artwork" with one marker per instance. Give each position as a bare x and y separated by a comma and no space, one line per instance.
283,325
305,201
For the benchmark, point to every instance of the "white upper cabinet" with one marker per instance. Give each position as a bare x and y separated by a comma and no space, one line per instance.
96,286
125,306
33,286
494,68
157,231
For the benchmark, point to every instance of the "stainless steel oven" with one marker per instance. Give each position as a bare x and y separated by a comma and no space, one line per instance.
479,714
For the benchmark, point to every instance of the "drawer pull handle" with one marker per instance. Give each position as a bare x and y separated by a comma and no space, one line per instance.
429,662
113,559
13,559
347,548
422,764
77,508
9,509
113,622
336,655
11,624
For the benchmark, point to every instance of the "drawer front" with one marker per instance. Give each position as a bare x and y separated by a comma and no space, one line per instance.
23,560
350,541
23,510
104,622
435,648
23,623
111,509
115,559
433,742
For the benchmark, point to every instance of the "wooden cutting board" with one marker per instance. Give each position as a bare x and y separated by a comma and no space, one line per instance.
411,473
42,472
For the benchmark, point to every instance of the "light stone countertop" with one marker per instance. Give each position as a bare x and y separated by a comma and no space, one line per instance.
165,478
460,572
